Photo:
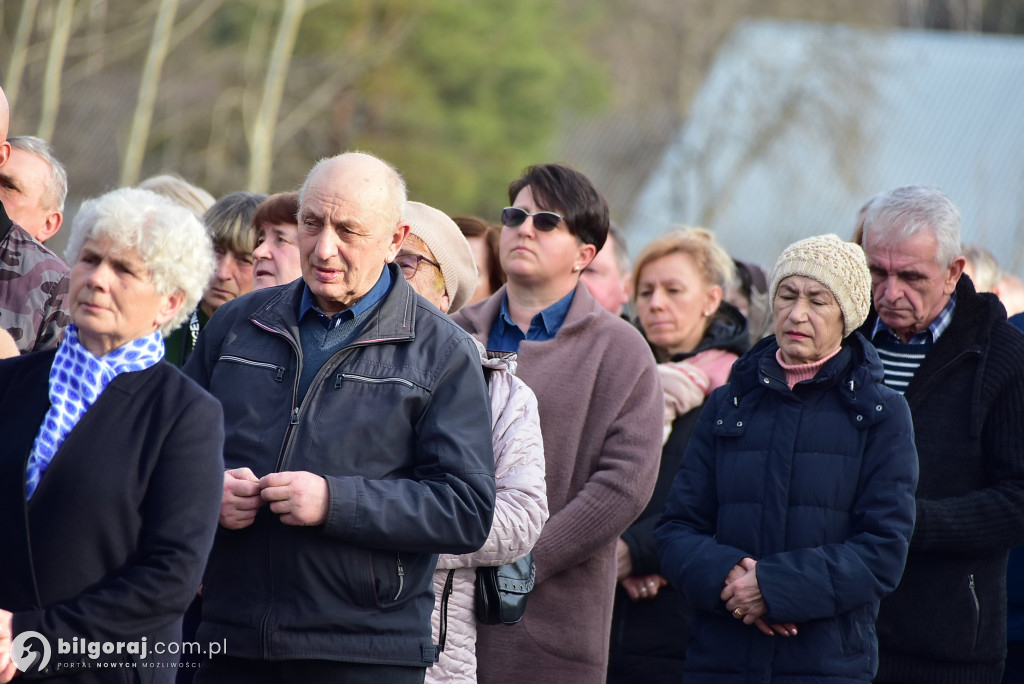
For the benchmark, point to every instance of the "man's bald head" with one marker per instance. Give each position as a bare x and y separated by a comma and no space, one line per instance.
350,226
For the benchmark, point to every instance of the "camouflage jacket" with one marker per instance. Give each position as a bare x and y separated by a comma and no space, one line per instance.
33,289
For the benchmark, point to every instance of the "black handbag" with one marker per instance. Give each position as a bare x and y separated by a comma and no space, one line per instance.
502,590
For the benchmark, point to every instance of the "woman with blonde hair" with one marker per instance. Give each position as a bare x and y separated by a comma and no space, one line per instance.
678,283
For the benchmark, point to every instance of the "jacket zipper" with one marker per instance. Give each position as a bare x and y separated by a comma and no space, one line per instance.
257,364
977,605
401,576
363,378
293,420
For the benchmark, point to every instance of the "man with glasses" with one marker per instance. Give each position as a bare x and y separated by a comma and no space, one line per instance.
358,446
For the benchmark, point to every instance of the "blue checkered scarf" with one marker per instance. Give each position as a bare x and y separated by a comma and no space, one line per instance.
77,378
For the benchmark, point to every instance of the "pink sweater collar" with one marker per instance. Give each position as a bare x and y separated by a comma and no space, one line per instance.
802,371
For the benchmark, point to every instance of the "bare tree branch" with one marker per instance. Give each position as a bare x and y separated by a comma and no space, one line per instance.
148,88
19,50
261,148
54,69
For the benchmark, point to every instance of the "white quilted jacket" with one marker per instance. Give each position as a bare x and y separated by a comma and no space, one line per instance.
520,512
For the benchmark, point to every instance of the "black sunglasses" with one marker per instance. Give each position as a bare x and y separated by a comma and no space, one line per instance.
544,221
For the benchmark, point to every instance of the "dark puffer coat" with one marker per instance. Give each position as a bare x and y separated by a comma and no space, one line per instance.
648,641
816,484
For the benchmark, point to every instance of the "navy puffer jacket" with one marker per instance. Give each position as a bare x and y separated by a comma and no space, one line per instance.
817,485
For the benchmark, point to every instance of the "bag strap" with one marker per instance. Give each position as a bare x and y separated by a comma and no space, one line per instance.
445,593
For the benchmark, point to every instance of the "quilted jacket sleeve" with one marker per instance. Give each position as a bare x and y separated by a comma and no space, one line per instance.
521,505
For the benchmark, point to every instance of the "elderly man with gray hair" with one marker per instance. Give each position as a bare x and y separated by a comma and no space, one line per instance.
33,280
33,186
357,445
960,365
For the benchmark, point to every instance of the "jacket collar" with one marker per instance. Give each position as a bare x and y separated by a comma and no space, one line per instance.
967,335
856,371
973,318
478,318
394,321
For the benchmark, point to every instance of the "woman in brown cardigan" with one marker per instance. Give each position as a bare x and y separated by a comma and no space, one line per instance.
601,409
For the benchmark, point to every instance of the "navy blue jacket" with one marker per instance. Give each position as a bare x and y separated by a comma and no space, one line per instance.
398,424
817,485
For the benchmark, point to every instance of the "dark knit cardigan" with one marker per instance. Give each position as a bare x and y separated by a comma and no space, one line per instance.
601,406
946,622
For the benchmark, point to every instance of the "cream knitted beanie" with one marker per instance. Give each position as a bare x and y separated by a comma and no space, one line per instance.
451,250
838,265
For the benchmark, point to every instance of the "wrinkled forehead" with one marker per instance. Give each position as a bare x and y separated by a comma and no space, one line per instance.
340,194
921,247
801,284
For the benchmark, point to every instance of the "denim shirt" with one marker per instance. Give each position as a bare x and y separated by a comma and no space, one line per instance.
506,335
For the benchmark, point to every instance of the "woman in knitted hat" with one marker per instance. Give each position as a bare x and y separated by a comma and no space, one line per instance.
791,516
438,262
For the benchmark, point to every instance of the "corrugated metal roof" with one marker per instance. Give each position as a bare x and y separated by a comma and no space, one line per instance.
798,124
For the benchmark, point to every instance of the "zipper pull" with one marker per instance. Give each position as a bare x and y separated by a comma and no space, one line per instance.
401,576
280,373
295,416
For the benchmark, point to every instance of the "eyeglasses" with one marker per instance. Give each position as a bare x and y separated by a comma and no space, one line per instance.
544,221
410,262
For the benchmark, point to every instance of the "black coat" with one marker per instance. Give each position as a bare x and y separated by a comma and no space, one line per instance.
947,620
648,637
113,543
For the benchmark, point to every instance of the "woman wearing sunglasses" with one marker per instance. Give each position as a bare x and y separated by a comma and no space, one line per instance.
600,407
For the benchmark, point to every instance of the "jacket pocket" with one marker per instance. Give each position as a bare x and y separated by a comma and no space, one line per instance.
342,378
388,573
278,371
398,577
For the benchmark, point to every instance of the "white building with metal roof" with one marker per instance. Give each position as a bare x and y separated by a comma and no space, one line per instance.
798,124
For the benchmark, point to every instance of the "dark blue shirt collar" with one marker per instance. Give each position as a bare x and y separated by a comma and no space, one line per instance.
376,293
506,335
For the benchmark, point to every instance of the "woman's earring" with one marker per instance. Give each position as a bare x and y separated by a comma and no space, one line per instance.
575,268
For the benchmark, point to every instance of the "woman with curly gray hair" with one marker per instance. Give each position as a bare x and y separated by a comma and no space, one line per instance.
111,471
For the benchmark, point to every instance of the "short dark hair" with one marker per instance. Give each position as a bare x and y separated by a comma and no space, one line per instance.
568,192
276,209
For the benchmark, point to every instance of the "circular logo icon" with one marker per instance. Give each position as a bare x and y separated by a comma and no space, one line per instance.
25,658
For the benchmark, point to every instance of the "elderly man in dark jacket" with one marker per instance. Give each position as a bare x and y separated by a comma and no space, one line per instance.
358,442
960,366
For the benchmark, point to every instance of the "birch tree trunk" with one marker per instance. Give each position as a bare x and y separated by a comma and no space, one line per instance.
19,50
148,87
261,143
54,69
